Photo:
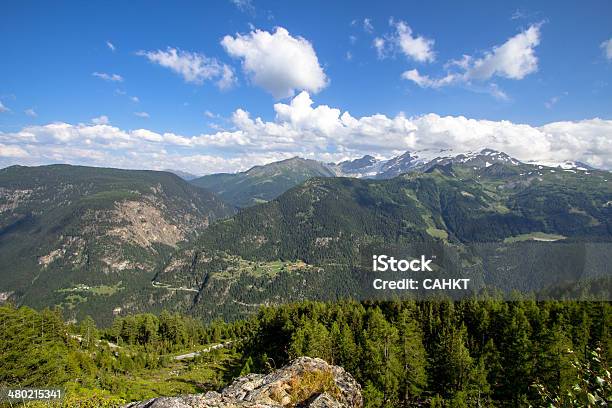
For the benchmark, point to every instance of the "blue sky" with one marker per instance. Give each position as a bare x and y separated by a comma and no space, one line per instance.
104,70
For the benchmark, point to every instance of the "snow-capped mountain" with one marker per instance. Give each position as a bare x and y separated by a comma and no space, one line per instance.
367,166
478,160
566,165
370,167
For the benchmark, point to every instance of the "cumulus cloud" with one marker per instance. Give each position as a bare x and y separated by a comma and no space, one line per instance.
514,59
12,151
414,47
110,46
302,128
367,25
606,46
418,48
143,115
3,108
108,77
278,62
195,68
31,113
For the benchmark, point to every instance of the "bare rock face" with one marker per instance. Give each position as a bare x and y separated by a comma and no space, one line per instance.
306,382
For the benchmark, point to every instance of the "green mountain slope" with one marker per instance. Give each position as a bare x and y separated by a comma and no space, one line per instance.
262,183
317,239
100,241
90,239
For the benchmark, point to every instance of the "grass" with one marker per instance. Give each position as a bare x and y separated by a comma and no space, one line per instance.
312,383
104,290
437,233
208,372
211,372
534,236
113,195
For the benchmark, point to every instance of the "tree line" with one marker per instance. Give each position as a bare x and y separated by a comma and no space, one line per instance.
470,353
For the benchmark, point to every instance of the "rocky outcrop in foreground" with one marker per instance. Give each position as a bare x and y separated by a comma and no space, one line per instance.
305,382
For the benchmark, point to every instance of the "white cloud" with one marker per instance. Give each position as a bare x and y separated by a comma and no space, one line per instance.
417,48
144,115
12,151
193,67
100,120
243,5
278,62
227,79
402,40
31,112
110,46
424,81
606,46
497,93
304,129
379,45
108,77
551,102
367,25
121,92
3,108
554,100
517,15
514,59
209,114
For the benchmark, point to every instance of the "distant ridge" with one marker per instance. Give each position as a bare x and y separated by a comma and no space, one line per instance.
264,183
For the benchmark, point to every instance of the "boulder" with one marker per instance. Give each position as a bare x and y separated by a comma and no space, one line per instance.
305,382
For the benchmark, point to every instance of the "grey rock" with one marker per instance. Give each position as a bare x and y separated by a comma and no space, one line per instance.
275,390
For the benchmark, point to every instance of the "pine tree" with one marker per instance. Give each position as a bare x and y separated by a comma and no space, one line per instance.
313,340
381,347
412,355
452,360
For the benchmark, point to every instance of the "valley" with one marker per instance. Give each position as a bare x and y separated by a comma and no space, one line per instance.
102,242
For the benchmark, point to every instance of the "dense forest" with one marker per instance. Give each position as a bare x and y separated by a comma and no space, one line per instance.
487,352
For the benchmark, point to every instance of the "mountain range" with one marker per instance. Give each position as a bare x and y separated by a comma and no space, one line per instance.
264,183
107,241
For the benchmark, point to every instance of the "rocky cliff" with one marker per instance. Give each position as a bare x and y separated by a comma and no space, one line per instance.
306,382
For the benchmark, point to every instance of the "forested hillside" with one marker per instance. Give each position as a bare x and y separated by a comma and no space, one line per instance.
404,354
506,226
262,183
89,239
